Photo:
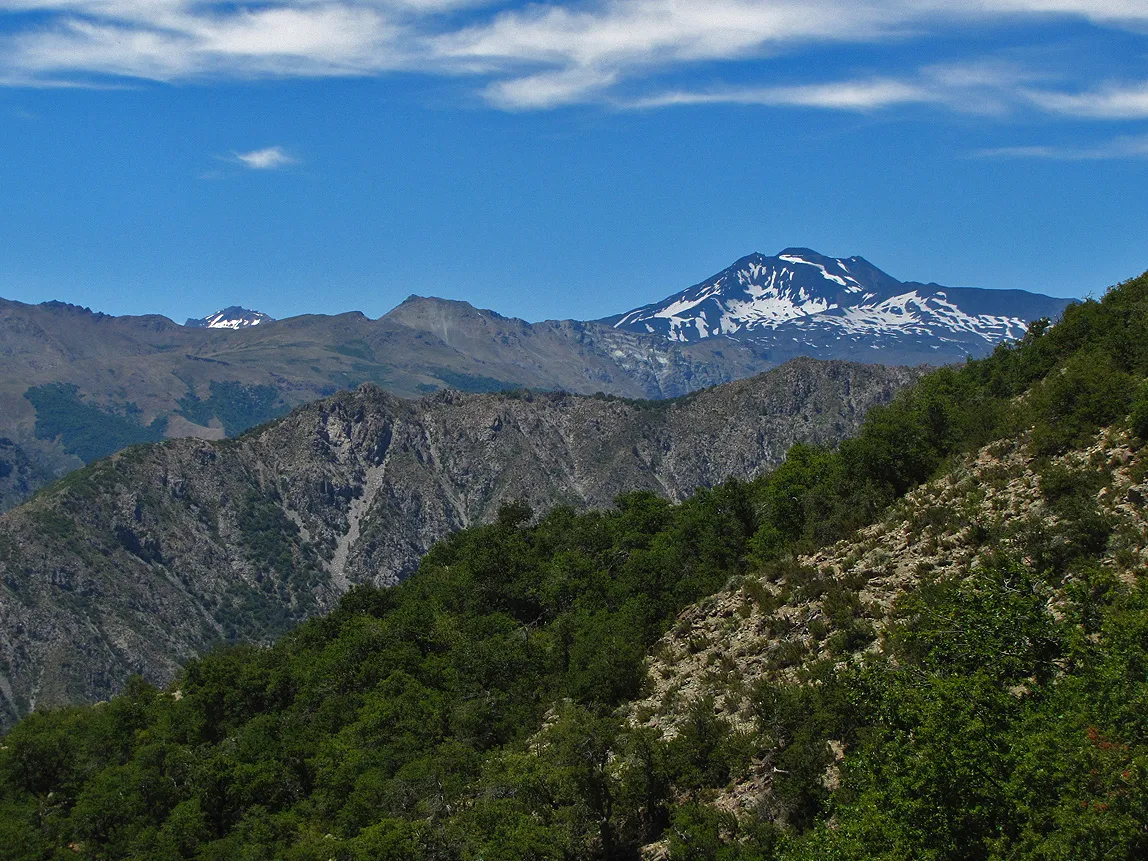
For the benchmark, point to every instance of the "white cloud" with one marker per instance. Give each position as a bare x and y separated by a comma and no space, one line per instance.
537,55
270,158
626,39
622,32
172,40
976,86
1130,13
584,50
1110,102
1129,147
862,95
548,89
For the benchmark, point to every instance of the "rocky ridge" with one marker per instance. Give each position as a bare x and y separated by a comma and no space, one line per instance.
140,561
65,370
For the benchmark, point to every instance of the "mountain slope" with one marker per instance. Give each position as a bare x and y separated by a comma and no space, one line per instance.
71,379
141,561
1001,500
76,384
800,300
17,478
1001,566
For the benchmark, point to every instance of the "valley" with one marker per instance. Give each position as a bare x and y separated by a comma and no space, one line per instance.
573,430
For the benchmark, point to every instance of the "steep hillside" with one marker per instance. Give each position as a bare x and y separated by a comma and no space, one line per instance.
926,642
139,562
1004,592
771,627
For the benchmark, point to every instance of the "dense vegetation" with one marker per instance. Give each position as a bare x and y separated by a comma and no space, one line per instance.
238,407
85,429
472,382
392,708
472,712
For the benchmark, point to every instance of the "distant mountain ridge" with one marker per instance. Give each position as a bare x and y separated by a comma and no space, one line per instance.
825,303
77,384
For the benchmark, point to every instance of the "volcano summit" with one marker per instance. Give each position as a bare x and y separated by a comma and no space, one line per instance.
802,302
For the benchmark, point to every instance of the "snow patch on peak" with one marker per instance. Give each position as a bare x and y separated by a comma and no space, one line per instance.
848,282
233,317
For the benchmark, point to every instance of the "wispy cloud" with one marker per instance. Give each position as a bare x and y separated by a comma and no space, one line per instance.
270,158
1125,13
578,53
861,95
549,89
975,86
586,49
1128,147
172,43
528,56
1109,102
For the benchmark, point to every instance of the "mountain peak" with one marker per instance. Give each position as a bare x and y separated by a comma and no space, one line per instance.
806,254
423,311
828,305
232,317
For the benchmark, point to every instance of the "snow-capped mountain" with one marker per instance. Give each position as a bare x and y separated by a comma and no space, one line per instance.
230,318
802,301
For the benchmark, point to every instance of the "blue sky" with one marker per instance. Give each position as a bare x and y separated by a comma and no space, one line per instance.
560,159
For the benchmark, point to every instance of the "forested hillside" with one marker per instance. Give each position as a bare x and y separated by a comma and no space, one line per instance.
954,674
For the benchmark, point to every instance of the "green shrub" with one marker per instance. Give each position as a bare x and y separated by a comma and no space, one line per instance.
1067,408
1140,411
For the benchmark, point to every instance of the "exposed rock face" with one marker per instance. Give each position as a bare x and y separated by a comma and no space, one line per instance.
143,560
